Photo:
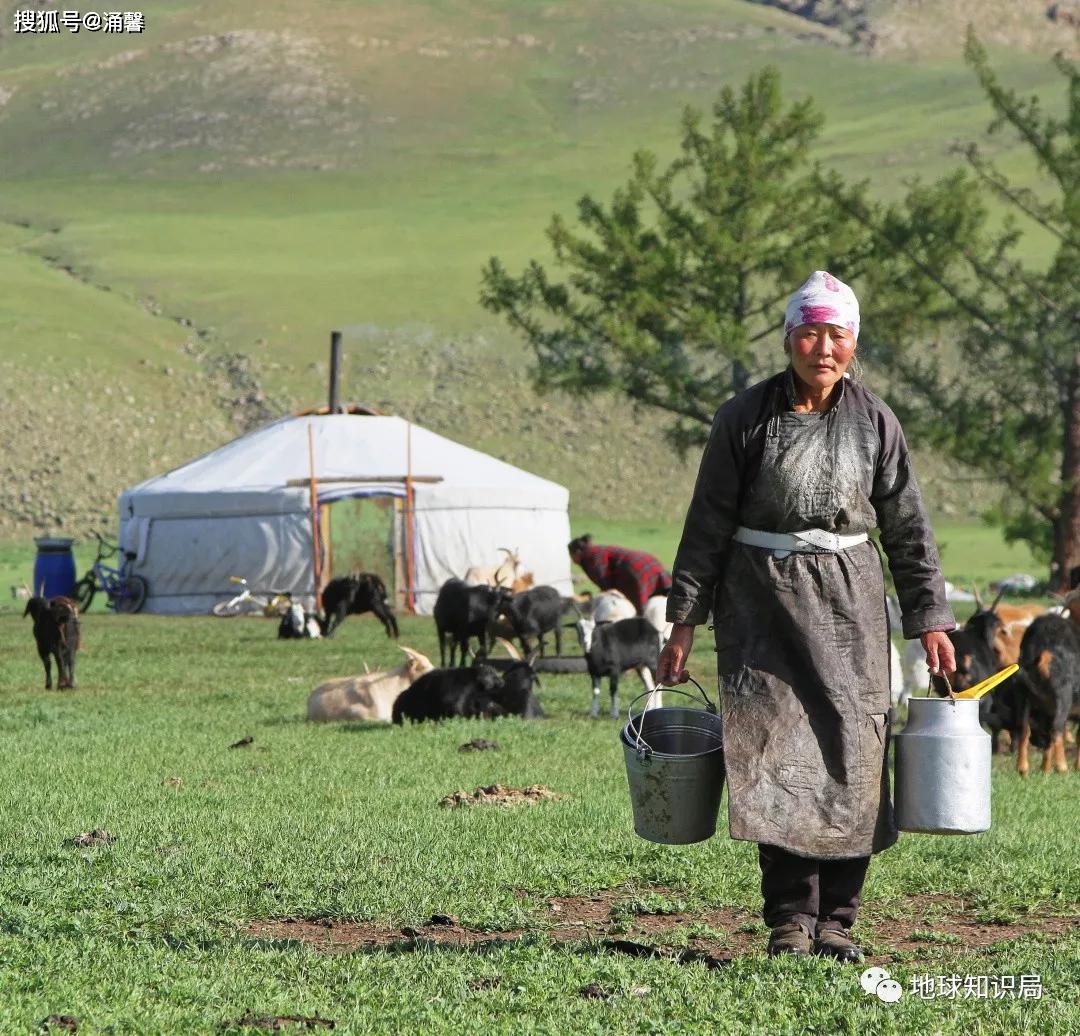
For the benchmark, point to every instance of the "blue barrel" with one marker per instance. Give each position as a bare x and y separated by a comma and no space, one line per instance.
54,567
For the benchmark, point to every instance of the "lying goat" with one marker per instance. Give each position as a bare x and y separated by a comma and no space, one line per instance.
471,692
354,595
1050,662
465,612
370,696
614,647
56,630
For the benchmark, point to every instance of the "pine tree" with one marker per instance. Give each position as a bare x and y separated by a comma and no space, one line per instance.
675,291
1006,399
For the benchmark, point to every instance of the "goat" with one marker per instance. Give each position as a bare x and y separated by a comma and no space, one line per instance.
469,693
614,647
1050,662
535,613
297,625
509,572
655,615
607,606
354,595
463,612
56,630
370,696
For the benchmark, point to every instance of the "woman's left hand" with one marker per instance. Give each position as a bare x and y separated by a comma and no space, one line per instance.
940,656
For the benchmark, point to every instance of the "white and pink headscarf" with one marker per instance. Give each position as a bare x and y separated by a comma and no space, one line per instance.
823,300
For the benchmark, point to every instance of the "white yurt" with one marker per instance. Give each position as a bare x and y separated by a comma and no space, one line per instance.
249,509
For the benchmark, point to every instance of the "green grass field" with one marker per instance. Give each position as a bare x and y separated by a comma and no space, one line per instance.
149,934
246,180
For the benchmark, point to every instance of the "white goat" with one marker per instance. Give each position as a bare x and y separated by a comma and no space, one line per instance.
370,696
510,572
656,615
609,606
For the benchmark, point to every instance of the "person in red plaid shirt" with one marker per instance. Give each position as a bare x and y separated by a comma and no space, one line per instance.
637,574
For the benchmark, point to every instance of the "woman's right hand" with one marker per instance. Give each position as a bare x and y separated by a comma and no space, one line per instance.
673,658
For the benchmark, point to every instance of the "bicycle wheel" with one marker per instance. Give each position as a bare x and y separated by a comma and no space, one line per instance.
227,609
131,594
84,591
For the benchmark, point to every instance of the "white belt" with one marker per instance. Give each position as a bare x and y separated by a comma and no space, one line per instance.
806,541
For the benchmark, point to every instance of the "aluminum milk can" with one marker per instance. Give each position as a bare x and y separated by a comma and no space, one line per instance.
943,769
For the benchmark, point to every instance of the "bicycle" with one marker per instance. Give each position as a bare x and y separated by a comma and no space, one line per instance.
273,603
126,590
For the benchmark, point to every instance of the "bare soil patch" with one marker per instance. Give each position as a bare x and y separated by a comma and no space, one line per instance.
499,795
280,1022
60,1023
99,836
608,919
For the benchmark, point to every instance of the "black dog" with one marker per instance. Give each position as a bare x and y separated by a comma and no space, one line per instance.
354,595
56,630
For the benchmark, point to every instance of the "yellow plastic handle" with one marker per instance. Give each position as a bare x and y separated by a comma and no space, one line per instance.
988,684
236,579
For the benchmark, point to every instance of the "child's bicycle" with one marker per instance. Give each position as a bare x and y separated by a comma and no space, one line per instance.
126,591
273,603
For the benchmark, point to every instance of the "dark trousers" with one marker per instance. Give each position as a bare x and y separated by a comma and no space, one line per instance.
814,893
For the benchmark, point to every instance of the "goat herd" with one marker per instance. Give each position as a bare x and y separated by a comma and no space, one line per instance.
1033,707
471,617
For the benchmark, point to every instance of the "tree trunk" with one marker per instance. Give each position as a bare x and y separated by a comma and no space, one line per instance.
740,376
1067,532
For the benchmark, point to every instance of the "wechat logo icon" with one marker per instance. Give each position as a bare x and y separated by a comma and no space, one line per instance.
877,981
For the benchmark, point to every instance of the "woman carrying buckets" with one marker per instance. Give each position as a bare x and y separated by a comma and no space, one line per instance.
796,472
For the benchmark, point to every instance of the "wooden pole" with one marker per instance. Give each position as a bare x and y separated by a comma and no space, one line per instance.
316,551
410,565
364,478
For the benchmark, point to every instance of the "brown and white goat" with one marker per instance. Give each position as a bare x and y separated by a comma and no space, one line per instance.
509,573
370,696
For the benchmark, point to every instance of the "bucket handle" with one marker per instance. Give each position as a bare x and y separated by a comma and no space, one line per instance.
642,746
948,686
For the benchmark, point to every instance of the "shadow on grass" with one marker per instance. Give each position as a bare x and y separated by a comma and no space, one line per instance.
581,946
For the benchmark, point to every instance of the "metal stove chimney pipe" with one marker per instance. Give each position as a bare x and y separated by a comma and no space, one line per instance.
335,371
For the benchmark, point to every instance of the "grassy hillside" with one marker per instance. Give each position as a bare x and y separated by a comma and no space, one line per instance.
186,213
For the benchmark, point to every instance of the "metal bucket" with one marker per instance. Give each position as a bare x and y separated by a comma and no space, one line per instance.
943,769
675,767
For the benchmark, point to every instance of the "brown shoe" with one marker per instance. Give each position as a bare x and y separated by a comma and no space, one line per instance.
789,938
838,945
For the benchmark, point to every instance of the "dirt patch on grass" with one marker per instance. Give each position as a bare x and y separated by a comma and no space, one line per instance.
499,795
280,1022
928,924
618,922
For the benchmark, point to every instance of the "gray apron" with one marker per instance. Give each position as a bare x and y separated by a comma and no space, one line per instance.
803,653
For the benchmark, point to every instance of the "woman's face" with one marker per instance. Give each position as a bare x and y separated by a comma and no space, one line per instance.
820,353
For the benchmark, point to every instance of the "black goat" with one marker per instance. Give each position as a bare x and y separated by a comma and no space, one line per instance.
611,648
535,613
469,692
516,693
354,595
1050,662
56,630
463,612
